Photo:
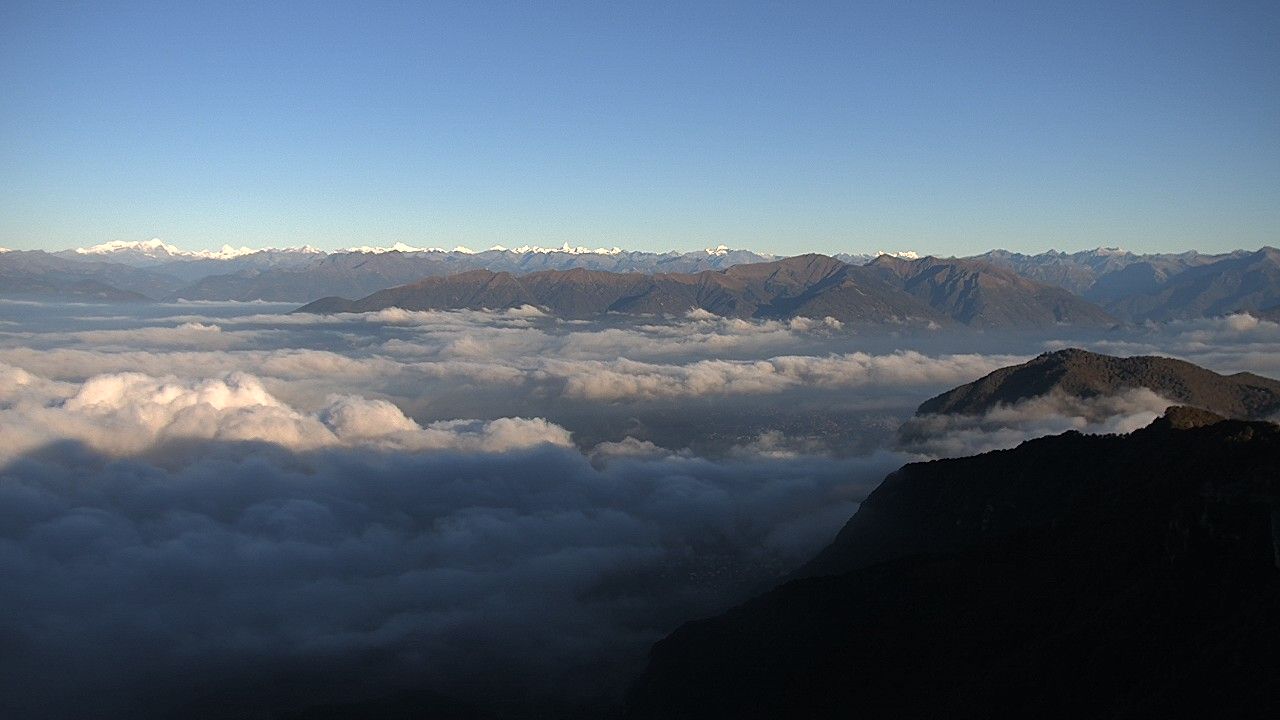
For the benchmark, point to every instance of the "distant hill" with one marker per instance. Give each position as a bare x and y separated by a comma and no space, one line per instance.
805,285
35,273
1080,373
1074,576
979,293
50,289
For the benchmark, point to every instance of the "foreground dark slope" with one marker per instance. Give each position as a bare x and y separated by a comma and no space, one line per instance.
1074,576
806,285
1080,373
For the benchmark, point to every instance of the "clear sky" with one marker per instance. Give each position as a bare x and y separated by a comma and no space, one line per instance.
944,127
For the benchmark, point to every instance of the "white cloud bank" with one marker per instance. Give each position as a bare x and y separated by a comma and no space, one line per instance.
628,380
1006,426
350,553
126,413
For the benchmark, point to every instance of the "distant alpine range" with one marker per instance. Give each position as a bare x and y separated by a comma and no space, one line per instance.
995,289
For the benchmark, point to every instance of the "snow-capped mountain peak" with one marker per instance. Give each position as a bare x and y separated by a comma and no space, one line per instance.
463,250
902,254
565,248
226,252
157,250
395,247
154,247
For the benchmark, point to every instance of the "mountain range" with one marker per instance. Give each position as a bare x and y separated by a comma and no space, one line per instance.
1126,576
1081,272
886,290
160,271
979,293
1158,287
357,274
1246,282
980,290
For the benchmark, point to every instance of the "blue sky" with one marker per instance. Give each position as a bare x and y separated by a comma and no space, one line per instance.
942,127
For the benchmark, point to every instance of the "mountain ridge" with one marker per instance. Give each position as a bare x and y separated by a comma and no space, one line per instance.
811,285
1131,287
974,291
1083,374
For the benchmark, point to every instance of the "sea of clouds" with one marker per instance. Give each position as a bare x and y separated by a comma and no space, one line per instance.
231,511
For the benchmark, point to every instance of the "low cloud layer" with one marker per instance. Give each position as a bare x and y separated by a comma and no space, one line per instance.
228,578
127,413
177,537
504,358
1227,344
1006,426
220,510
627,379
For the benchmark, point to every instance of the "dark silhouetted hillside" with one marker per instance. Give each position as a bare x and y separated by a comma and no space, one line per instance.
1075,576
